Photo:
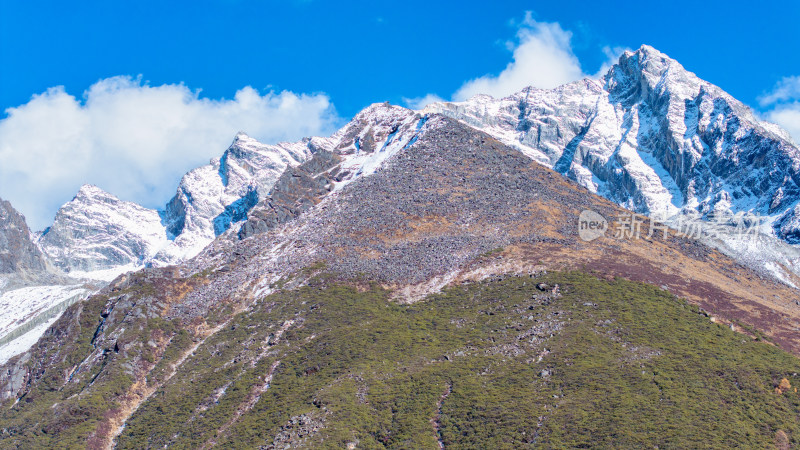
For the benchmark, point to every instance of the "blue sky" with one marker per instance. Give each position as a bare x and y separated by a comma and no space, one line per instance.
323,61
364,52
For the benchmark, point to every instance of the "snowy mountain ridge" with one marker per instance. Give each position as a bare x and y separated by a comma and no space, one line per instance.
654,138
98,236
212,197
96,232
650,136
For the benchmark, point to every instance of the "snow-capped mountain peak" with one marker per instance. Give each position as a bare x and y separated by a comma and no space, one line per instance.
97,235
97,232
649,135
653,137
91,191
213,197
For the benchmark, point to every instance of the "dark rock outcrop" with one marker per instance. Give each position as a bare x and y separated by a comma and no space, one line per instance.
18,253
297,190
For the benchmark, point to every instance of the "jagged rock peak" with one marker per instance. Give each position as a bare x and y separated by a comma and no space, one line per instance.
96,231
652,137
244,141
650,54
17,251
371,128
91,191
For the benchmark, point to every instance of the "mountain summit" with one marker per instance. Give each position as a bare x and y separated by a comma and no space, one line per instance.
652,137
649,136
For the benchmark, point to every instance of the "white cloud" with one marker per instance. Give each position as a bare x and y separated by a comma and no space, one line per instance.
788,117
784,103
612,57
787,88
421,102
135,140
542,57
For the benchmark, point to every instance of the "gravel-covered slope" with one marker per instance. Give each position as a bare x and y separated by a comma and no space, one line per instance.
452,195
649,135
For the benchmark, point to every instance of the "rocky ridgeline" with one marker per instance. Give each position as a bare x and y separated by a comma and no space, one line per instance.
96,231
451,196
18,253
213,197
652,137
649,136
297,190
98,235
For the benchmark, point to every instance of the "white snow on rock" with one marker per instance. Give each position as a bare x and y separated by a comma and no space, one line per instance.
213,197
654,138
27,312
99,236
96,231
376,134
651,136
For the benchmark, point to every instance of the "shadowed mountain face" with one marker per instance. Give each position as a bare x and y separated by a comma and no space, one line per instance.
17,252
323,325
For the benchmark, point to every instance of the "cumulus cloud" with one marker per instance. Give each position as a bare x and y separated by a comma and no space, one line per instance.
421,102
782,105
542,57
612,57
135,140
787,88
788,117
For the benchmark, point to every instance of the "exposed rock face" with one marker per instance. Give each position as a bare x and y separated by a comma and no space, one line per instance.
652,137
649,136
406,203
358,149
32,293
18,253
445,196
297,190
99,236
